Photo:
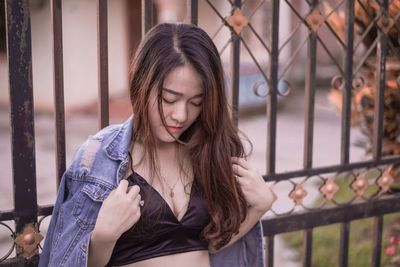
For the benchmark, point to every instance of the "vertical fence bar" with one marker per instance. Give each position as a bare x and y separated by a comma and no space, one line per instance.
310,97
348,72
308,239
272,98
344,244
381,52
58,63
103,62
309,125
22,119
271,114
346,116
235,69
147,15
192,11
377,241
269,261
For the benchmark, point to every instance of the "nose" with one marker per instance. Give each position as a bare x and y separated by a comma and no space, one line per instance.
180,113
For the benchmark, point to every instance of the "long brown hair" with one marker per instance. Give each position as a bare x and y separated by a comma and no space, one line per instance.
212,139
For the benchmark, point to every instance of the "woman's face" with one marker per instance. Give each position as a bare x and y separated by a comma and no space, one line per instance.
182,96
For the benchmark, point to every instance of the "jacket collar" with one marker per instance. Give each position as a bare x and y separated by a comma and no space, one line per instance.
118,147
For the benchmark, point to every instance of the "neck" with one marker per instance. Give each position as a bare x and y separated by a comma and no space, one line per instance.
165,152
166,148
171,160
171,152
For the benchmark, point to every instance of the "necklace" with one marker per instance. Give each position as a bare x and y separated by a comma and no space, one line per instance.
171,188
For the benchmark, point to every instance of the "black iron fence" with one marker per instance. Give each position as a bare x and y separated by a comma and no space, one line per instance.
312,17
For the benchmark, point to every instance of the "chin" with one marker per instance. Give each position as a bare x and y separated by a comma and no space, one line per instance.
167,138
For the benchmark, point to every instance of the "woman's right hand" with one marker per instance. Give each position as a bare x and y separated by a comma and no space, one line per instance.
118,213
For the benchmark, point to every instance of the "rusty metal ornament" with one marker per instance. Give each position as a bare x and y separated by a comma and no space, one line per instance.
385,23
359,185
386,180
237,20
329,189
358,82
337,82
298,194
315,19
28,241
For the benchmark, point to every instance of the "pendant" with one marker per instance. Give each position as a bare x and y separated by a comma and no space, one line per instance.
171,194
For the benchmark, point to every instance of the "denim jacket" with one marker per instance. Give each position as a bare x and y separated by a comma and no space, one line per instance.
99,165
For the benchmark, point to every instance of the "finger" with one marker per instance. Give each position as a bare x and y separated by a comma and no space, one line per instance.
136,216
133,187
241,161
139,197
133,191
132,195
138,202
123,186
239,170
242,181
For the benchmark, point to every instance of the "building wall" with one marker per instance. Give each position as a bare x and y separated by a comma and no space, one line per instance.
80,53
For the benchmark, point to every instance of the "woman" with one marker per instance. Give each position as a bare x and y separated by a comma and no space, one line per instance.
170,187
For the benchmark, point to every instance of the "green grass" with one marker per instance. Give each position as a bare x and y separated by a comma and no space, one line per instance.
326,239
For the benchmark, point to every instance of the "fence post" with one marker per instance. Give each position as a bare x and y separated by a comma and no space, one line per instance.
22,126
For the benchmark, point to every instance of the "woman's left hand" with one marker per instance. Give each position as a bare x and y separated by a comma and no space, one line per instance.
257,193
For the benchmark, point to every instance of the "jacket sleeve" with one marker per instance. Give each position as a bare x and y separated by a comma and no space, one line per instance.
67,238
45,255
55,250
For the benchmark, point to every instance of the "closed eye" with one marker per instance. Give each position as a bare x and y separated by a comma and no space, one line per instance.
168,101
196,104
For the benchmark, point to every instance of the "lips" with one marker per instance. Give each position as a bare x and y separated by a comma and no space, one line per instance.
174,129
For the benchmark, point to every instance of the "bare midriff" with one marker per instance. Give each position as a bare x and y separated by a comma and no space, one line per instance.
193,259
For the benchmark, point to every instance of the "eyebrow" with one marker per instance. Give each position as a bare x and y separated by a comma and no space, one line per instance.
179,94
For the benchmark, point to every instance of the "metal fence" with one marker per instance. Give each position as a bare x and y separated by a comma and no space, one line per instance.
313,16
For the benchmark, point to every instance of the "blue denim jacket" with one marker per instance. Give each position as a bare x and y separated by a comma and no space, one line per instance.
99,165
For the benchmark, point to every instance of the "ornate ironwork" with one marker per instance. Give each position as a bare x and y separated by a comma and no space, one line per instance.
329,189
386,180
376,181
237,20
12,235
298,194
359,185
315,19
29,241
385,23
